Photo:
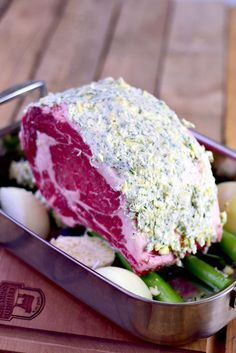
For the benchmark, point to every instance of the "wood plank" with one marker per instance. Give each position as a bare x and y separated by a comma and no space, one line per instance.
30,340
76,48
231,337
199,345
88,63
193,73
61,312
63,323
216,343
230,133
135,52
24,33
230,126
4,6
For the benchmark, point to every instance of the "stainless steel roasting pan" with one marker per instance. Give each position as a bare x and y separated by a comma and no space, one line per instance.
153,321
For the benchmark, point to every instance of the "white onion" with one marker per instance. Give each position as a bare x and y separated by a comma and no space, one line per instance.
23,206
126,279
226,191
227,202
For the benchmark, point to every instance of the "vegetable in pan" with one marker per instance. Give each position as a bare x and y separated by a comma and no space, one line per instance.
159,288
118,160
228,245
206,273
227,202
26,209
94,252
126,279
156,208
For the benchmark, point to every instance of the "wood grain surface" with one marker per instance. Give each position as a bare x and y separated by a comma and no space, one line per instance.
64,322
21,45
77,45
76,48
230,119
231,337
183,51
230,133
136,49
193,74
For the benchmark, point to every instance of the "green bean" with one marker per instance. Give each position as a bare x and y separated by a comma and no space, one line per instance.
228,245
213,260
91,233
11,142
206,273
123,262
164,291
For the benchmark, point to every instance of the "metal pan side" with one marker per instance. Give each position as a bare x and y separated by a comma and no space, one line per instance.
153,321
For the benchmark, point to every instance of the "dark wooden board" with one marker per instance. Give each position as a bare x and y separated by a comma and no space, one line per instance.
61,323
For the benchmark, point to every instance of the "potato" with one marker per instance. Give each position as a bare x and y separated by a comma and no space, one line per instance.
127,280
23,206
226,191
227,202
231,215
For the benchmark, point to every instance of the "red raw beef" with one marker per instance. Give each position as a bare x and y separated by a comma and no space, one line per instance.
58,136
76,190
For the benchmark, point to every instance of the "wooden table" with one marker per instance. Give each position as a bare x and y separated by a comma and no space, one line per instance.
182,51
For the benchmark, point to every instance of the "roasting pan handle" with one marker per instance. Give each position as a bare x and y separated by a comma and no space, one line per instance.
232,301
21,89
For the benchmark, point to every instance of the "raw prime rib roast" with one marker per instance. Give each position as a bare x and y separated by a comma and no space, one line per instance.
117,160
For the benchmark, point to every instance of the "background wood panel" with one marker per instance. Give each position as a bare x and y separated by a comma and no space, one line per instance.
136,48
230,123
77,46
4,4
230,132
24,34
193,72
